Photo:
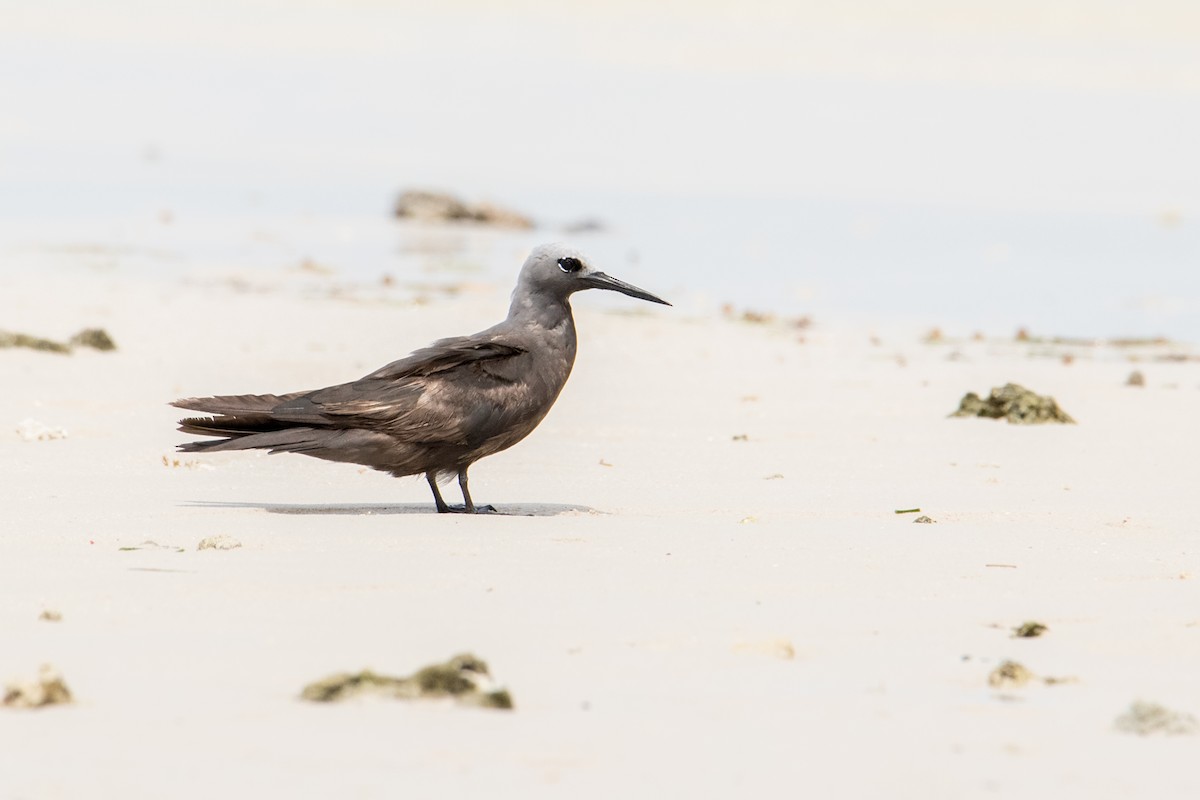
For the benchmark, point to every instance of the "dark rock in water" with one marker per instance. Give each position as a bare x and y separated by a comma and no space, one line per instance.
95,338
432,206
464,678
1014,403
429,206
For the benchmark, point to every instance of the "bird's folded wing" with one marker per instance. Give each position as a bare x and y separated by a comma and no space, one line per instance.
418,399
444,355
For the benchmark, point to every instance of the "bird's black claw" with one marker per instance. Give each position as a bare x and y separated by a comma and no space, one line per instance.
488,509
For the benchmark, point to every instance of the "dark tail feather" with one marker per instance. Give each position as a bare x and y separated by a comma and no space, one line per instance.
377,450
231,426
238,418
236,405
283,438
247,422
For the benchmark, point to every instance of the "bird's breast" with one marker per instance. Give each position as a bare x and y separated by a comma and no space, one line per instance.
519,391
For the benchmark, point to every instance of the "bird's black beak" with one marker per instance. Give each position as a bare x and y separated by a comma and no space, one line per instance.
598,280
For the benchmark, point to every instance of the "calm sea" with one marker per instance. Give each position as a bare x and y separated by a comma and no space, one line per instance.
1004,166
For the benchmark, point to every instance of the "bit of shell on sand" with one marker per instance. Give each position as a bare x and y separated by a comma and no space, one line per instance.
47,690
219,542
1009,674
1145,718
31,430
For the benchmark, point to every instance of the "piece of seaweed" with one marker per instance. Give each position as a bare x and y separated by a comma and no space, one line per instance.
465,678
1015,403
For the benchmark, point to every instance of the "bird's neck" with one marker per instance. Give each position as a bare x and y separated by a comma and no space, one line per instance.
550,321
544,312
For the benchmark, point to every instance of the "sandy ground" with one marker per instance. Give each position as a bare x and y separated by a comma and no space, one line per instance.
678,611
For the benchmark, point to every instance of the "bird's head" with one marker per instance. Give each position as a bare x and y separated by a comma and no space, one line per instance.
560,271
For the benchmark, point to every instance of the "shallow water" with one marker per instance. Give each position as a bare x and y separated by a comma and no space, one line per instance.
988,170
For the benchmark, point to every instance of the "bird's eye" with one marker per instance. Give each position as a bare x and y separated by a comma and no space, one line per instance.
570,265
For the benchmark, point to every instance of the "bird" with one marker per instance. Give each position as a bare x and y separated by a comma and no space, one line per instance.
438,410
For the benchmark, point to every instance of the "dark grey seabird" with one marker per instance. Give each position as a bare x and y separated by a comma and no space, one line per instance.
439,410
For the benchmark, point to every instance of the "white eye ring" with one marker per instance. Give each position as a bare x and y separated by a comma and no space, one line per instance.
570,264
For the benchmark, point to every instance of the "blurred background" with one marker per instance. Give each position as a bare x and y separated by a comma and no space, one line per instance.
971,164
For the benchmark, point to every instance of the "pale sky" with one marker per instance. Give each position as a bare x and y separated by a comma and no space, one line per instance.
1091,106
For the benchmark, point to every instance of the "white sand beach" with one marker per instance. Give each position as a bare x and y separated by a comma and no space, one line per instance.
707,578
675,609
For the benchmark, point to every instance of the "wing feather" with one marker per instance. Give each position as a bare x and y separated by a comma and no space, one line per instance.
430,397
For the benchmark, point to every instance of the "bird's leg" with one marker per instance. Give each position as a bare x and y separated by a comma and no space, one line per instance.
442,508
469,506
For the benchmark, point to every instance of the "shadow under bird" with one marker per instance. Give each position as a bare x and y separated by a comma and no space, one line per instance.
439,410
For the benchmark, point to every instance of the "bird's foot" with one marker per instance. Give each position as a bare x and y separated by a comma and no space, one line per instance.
488,509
